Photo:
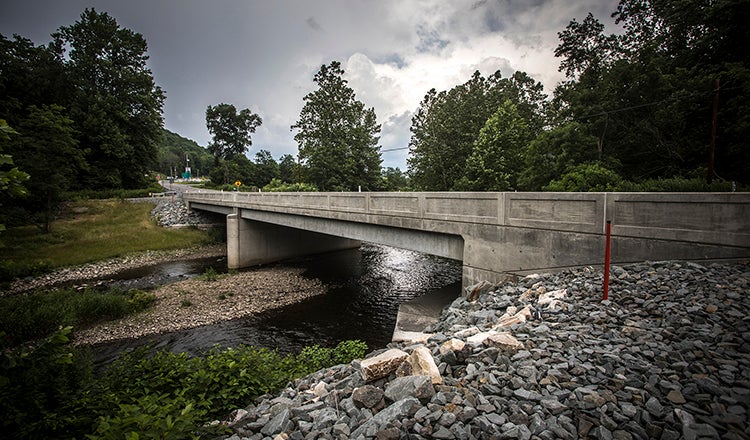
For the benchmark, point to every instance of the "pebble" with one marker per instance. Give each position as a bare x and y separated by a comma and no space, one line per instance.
667,356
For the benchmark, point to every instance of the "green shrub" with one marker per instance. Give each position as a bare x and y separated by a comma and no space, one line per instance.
141,300
49,391
210,274
679,184
36,315
277,185
314,358
10,269
588,177
39,386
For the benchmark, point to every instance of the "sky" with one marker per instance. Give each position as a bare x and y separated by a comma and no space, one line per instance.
262,55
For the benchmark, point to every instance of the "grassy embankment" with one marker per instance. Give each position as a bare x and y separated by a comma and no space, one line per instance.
87,231
93,230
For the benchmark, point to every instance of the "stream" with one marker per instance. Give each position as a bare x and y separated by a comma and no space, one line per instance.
365,288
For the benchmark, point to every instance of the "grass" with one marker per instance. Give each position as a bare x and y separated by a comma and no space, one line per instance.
28,317
92,230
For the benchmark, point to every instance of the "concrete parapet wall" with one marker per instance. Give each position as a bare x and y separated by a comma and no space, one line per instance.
514,232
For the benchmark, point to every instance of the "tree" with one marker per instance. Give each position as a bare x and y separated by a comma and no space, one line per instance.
47,150
114,101
554,152
288,169
230,129
266,169
647,94
395,180
338,136
496,159
446,125
11,178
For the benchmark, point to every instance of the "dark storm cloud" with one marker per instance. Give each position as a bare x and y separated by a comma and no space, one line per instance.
263,55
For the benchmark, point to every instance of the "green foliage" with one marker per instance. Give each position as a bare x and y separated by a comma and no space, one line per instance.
555,151
395,180
277,185
681,184
590,177
210,274
496,159
338,136
141,300
37,385
47,150
647,93
112,98
48,391
113,193
447,125
11,178
35,315
154,417
230,130
312,359
289,169
10,269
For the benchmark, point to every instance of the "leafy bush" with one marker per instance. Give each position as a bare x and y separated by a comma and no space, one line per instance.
35,315
277,185
589,177
141,300
38,385
114,193
49,391
10,269
314,358
680,184
210,274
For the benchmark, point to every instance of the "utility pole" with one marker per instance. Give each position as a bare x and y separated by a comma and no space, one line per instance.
714,124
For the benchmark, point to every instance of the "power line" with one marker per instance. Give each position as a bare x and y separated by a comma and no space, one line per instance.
394,149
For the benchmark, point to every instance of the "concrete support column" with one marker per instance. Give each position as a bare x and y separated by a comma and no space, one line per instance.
251,242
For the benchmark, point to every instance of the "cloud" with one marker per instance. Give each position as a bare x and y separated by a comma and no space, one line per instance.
263,55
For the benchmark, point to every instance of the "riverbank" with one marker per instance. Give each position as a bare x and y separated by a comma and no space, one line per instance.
667,356
88,274
197,302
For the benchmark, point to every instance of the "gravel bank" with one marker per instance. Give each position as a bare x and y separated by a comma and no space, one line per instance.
106,268
196,302
667,357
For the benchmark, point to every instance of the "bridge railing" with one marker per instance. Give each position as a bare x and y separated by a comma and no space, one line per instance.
716,218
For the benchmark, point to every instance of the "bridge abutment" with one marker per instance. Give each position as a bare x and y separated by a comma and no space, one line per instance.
251,242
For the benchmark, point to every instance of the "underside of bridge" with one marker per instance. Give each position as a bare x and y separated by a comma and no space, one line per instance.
257,237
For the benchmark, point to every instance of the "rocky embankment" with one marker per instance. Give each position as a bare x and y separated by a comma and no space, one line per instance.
667,357
174,213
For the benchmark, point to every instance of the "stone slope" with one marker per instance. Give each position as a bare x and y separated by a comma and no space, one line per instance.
667,357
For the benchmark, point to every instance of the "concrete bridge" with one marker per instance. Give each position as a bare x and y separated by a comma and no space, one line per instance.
493,234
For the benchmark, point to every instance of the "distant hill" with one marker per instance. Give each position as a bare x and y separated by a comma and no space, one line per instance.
171,155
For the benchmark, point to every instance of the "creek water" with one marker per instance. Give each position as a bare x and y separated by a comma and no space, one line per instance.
365,286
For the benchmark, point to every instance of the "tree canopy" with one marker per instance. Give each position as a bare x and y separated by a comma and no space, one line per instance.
447,126
338,136
231,130
113,100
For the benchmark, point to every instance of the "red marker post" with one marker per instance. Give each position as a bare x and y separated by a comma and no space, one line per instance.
605,294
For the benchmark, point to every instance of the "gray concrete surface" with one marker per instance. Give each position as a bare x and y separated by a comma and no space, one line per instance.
494,234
